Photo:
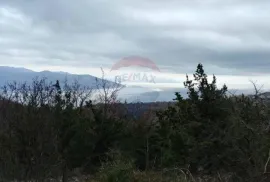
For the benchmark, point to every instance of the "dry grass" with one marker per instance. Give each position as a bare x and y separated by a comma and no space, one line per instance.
173,176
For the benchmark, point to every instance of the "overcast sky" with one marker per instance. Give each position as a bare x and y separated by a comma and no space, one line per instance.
230,37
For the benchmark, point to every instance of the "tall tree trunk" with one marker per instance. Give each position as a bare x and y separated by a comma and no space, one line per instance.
64,172
147,154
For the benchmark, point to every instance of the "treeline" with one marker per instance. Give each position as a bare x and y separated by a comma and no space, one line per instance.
52,131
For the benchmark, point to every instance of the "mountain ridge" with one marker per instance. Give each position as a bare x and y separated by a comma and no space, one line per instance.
21,75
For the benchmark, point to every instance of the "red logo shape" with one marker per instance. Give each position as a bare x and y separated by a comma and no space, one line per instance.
135,61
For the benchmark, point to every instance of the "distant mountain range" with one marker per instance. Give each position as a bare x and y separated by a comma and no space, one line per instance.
263,96
131,94
21,75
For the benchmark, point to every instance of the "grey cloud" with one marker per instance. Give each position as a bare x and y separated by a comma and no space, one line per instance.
175,34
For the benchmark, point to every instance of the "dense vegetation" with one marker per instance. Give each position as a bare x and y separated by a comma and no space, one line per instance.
52,131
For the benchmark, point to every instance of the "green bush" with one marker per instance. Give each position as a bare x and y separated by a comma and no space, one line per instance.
116,169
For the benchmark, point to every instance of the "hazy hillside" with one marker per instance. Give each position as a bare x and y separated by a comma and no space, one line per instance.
21,75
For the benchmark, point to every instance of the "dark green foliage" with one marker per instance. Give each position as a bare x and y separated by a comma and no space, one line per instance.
196,127
214,132
48,130
119,169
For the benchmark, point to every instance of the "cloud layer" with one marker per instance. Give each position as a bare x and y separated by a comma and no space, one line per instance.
228,37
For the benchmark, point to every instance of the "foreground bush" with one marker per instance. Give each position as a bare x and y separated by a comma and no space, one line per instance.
118,169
